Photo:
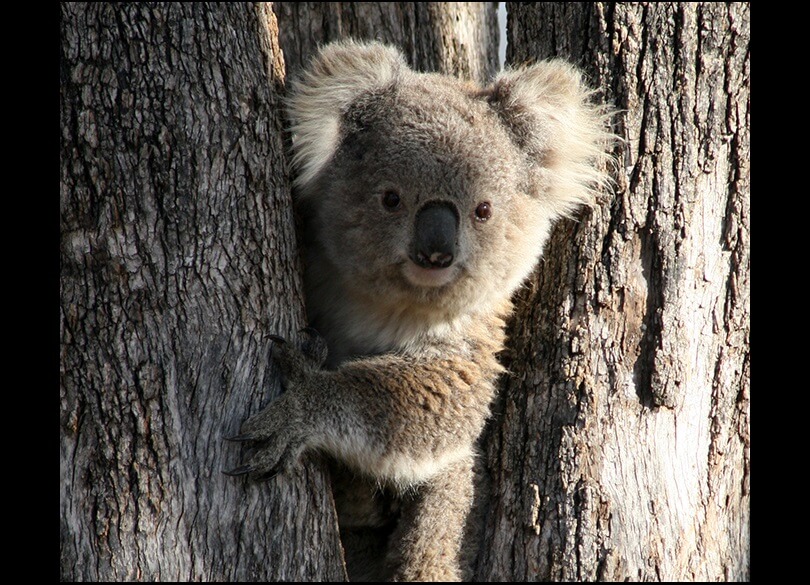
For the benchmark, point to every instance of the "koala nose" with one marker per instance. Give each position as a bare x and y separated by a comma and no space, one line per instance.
434,243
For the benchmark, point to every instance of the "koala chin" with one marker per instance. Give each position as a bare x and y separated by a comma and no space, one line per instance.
425,202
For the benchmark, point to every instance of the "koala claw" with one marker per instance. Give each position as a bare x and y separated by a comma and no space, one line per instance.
314,346
279,436
272,458
238,438
280,430
297,363
237,471
268,475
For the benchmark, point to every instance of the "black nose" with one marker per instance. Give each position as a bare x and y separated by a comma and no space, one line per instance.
434,242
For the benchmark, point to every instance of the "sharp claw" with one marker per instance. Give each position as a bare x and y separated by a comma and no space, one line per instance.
245,469
314,346
239,438
267,476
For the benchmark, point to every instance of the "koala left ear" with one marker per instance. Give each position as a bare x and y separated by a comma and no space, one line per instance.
548,110
338,75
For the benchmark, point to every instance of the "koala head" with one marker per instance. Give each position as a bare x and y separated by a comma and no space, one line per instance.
433,194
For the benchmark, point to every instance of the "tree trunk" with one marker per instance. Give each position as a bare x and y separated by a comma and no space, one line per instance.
620,449
458,38
178,259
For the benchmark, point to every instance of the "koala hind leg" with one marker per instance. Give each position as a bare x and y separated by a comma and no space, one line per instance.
426,545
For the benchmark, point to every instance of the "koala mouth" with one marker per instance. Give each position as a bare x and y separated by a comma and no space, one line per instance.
429,277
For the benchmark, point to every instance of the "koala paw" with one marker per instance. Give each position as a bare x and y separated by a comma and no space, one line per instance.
279,430
279,437
295,363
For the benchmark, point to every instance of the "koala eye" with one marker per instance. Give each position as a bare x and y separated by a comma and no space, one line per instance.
484,211
391,200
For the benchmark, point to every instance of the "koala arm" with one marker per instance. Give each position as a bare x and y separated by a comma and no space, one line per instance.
397,417
403,418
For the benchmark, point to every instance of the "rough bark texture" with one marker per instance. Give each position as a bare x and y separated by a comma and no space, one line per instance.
621,449
459,38
178,259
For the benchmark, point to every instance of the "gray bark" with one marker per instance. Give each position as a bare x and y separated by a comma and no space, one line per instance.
621,445
178,259
458,38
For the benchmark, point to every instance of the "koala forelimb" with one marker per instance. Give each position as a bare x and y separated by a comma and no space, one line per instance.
399,418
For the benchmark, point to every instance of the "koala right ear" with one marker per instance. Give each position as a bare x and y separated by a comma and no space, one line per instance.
550,114
335,78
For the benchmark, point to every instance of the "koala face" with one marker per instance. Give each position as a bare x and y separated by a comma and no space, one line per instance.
426,200
432,195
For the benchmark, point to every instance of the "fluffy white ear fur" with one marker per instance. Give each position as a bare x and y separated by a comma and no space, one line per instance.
549,109
335,78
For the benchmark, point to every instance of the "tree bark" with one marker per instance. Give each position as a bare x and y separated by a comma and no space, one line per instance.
457,38
178,259
620,447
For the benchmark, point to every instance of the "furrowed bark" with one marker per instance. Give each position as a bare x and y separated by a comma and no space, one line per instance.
621,449
458,38
178,260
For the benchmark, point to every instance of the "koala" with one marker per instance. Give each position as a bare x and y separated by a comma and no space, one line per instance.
425,202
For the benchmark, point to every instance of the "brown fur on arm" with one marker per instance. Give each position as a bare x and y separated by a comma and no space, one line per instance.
399,418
